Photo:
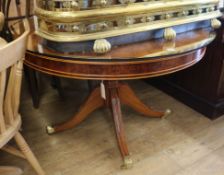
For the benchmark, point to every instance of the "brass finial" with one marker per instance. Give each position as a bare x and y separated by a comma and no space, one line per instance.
101,46
147,19
169,34
183,13
74,4
215,23
129,21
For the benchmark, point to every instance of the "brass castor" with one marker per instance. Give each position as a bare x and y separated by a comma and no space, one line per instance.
128,163
167,112
50,130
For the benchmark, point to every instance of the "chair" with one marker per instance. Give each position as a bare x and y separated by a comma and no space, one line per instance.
1,21
11,64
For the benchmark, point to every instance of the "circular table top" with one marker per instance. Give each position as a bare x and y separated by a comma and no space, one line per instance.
142,50
133,61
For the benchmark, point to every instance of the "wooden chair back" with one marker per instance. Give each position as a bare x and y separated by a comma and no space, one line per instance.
2,20
11,64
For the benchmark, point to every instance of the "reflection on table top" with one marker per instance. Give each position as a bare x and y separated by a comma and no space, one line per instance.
148,49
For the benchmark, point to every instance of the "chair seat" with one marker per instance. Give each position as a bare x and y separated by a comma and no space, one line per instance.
6,170
2,42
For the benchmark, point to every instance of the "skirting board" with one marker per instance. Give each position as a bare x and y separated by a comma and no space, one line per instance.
208,108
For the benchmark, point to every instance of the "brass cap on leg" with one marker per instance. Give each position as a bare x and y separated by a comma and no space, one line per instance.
50,130
167,112
128,163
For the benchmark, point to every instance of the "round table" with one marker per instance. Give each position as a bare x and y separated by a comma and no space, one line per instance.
134,61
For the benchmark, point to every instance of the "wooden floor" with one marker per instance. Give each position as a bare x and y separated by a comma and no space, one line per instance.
185,143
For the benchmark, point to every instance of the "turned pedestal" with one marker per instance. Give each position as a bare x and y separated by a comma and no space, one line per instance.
110,94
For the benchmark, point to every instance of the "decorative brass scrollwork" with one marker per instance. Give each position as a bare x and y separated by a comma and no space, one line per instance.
83,20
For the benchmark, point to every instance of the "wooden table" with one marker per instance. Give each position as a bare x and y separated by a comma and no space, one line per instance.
134,61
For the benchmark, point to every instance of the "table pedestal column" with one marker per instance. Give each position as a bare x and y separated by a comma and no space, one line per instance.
112,95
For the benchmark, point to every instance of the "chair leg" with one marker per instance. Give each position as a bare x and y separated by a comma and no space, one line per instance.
28,153
8,170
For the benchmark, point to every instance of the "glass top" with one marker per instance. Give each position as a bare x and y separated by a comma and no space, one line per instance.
151,49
